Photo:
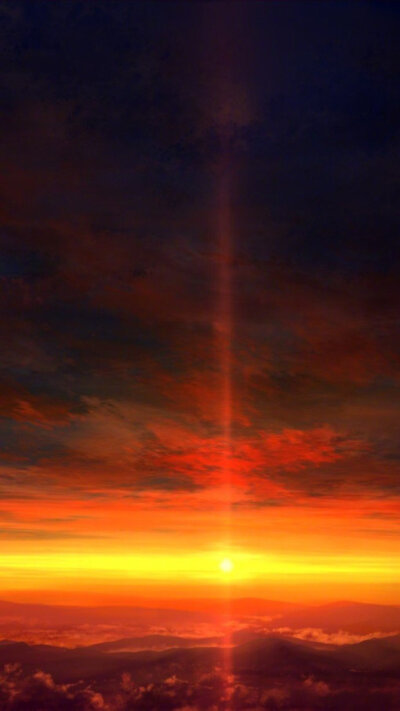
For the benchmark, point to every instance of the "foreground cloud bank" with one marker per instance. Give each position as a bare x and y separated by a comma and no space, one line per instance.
213,691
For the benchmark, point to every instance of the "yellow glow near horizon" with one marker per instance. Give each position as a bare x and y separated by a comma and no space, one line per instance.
200,566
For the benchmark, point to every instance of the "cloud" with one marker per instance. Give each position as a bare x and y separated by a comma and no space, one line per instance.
203,692
315,634
40,692
320,688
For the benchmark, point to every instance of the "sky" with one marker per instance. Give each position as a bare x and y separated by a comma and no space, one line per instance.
199,300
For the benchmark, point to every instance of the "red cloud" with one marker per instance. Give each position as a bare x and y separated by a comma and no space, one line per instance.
291,448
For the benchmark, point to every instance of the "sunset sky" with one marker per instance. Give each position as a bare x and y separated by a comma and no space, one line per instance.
200,298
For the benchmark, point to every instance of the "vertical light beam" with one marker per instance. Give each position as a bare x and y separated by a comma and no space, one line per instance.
224,105
225,335
225,330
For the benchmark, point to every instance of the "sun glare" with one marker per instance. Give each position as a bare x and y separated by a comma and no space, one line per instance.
226,565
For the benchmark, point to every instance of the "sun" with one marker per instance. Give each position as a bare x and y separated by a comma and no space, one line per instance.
226,565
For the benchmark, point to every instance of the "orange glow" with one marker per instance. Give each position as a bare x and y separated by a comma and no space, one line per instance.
341,548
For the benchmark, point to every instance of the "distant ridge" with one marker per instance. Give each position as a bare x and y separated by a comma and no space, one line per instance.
269,655
361,618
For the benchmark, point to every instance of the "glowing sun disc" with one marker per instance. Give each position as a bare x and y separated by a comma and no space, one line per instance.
226,565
